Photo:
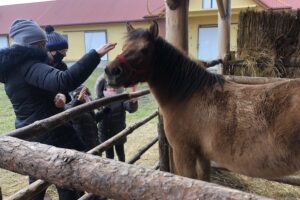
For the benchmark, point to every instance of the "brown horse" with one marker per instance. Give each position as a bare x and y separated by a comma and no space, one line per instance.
249,129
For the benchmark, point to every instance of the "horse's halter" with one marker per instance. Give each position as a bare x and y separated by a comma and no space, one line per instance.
132,73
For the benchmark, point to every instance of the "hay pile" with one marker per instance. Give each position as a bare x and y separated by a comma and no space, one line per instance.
268,43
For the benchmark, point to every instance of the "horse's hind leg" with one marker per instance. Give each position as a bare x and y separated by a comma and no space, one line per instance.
185,161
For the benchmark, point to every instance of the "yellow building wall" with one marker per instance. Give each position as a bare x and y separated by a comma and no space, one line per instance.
115,32
199,17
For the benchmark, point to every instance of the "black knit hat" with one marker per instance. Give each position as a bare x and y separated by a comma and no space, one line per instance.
55,40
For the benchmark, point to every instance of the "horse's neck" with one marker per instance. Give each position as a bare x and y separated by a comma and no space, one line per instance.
160,97
175,76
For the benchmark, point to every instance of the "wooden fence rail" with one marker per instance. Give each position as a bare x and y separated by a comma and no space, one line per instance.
141,151
131,161
27,193
104,177
42,126
39,185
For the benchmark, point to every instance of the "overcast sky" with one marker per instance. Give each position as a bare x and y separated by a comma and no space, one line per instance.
8,2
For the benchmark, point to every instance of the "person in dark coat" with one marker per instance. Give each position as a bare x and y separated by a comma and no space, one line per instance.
113,117
30,83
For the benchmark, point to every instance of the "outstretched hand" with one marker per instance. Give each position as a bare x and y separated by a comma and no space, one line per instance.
82,94
106,48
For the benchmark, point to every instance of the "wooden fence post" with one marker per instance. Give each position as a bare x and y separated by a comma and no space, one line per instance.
224,22
177,34
163,146
0,194
177,24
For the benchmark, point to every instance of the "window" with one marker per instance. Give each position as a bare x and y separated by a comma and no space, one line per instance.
209,4
208,43
95,39
3,41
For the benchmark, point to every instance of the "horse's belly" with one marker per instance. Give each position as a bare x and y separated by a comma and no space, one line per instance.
263,166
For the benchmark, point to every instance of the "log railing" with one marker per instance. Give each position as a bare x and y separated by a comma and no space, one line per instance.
105,177
39,185
131,161
42,126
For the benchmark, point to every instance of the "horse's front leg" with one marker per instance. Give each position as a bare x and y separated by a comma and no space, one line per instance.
184,158
204,173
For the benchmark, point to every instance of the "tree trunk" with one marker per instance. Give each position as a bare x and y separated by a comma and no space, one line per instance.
113,179
224,21
177,24
177,34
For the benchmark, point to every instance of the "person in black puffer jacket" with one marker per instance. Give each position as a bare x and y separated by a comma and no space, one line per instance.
30,83
113,116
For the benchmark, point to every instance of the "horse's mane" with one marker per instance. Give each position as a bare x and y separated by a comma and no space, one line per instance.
181,75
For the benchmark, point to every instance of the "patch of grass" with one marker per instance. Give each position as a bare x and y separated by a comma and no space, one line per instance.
7,115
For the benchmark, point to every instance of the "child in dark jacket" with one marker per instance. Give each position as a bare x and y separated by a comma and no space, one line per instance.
86,124
113,117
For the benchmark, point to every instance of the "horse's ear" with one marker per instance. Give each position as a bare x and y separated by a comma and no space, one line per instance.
154,29
129,27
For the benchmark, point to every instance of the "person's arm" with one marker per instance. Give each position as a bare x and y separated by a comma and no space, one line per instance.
48,78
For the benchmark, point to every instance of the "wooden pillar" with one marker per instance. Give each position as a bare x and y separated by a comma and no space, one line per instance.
224,21
177,34
163,146
177,24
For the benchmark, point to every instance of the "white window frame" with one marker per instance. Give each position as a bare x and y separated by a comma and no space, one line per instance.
206,54
208,4
4,41
95,42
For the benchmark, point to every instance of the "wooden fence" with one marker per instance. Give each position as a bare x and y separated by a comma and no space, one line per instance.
107,177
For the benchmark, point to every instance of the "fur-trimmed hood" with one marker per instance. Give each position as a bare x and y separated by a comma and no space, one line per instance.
14,56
